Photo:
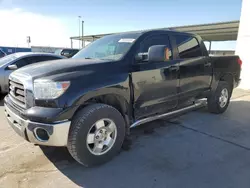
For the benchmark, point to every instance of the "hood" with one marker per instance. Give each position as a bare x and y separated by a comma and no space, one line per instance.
50,68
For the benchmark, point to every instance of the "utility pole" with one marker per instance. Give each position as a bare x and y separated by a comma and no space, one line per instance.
79,31
83,41
28,41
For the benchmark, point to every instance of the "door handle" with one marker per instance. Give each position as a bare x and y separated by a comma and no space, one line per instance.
174,68
208,64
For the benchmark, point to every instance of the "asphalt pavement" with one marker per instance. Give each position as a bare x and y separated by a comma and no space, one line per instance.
197,149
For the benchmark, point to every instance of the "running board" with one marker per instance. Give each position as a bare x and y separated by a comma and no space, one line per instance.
199,104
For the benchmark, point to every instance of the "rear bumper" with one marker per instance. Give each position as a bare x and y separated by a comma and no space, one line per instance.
57,131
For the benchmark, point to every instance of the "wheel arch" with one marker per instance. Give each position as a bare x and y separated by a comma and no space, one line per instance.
116,100
229,78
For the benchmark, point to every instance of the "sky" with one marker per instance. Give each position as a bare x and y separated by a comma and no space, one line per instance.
53,22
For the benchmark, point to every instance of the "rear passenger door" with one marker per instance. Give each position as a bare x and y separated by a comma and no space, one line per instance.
155,84
193,68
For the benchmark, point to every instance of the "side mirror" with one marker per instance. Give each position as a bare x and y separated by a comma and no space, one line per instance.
12,67
158,53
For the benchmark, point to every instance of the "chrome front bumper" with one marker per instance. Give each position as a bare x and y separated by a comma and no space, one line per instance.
57,132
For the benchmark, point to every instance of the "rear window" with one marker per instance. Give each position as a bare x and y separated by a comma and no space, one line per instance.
188,46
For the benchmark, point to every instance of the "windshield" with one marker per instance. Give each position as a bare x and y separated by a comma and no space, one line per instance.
7,59
112,47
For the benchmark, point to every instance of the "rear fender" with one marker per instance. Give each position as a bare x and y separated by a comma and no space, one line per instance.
217,77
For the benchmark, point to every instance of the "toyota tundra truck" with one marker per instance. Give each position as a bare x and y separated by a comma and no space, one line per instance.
90,102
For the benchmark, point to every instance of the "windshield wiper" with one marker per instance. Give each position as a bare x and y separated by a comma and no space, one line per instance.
88,58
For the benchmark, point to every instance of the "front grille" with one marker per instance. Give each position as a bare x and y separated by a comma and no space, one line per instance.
17,93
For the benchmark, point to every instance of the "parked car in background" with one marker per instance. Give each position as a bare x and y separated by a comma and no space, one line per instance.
66,52
2,54
14,61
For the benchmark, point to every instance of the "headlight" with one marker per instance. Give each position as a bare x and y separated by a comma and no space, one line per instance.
45,89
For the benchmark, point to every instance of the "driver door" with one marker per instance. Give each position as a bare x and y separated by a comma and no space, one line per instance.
155,84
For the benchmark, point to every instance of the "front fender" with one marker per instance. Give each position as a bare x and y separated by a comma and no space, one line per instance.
118,90
115,84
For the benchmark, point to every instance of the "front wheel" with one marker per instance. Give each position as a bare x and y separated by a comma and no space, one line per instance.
96,134
219,100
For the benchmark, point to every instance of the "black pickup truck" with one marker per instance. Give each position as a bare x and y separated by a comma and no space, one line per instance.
89,103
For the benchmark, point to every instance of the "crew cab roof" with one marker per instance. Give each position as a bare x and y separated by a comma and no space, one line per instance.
152,31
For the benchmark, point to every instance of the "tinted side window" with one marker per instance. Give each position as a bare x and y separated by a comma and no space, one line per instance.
48,58
69,52
74,51
21,62
188,46
25,61
65,53
156,40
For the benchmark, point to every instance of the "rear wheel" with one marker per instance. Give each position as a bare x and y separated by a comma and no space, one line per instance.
96,134
219,100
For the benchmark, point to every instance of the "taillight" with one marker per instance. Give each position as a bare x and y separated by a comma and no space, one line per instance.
239,62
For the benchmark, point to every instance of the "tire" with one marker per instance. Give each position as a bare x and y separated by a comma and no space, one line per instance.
214,102
87,122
